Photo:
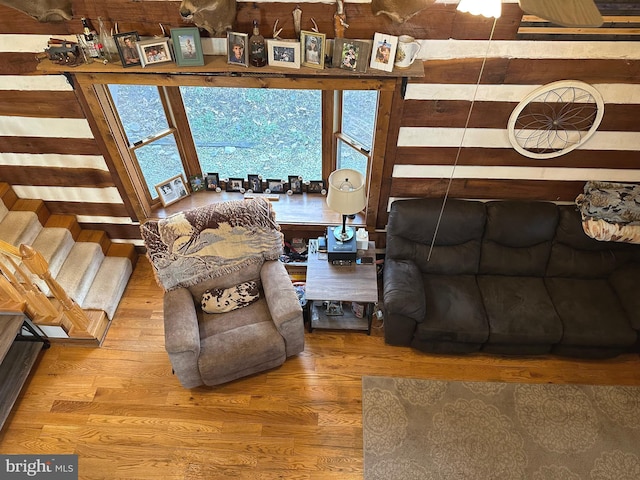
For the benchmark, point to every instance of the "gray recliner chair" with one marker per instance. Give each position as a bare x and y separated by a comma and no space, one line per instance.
224,245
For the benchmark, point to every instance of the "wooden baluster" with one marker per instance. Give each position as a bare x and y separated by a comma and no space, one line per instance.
38,266
38,306
10,299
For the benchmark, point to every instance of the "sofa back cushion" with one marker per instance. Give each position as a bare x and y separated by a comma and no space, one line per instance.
517,238
574,254
456,251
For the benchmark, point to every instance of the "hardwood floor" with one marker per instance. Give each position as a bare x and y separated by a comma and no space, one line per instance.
126,416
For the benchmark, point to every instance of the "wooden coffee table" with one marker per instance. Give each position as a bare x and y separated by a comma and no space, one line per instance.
341,283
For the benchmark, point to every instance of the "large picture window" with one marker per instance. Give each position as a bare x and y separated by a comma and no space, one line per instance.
237,132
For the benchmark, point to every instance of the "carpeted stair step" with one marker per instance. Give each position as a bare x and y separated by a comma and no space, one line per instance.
54,244
3,211
20,227
108,285
79,270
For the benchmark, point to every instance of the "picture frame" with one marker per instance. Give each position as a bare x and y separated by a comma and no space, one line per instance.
235,185
187,46
295,184
127,50
172,190
313,45
237,53
275,185
283,53
255,183
212,182
154,51
351,54
196,182
315,186
383,52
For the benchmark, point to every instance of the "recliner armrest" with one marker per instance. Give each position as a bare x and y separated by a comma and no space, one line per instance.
403,289
182,336
284,305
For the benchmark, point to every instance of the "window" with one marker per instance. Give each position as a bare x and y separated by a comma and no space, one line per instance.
241,131
268,132
356,132
151,140
159,149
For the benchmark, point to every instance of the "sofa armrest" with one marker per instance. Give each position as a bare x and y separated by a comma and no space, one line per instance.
182,336
404,300
284,305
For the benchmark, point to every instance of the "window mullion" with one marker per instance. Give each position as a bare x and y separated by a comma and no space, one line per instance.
177,118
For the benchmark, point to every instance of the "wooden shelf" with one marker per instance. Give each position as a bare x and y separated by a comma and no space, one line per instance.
217,65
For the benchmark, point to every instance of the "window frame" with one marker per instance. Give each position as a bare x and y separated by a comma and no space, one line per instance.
95,89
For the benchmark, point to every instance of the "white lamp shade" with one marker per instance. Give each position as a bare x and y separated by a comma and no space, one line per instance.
486,8
346,193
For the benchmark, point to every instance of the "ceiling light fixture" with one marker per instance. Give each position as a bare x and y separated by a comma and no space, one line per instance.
486,8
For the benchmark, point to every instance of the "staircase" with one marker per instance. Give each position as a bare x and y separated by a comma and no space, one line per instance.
90,269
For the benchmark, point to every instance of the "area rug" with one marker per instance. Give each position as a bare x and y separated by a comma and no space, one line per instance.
438,430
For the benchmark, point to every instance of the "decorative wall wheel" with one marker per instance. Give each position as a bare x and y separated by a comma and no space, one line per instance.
555,119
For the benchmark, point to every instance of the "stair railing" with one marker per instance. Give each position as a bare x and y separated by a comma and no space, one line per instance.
29,297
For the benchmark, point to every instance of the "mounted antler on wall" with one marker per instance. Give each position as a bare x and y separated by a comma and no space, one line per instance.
43,10
399,10
215,16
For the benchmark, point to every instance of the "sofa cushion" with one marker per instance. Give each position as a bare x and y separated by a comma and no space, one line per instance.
223,357
591,315
413,224
222,300
520,314
454,311
517,238
625,282
574,254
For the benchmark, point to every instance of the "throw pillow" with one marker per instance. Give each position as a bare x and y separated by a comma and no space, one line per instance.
222,300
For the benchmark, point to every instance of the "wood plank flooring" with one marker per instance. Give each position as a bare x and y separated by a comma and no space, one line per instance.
126,416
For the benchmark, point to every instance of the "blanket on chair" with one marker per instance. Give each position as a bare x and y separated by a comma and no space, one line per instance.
211,241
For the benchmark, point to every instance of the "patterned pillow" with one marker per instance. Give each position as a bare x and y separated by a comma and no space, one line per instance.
222,300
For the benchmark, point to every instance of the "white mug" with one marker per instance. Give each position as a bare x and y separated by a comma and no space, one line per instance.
407,52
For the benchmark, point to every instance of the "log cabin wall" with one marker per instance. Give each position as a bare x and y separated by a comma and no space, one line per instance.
49,147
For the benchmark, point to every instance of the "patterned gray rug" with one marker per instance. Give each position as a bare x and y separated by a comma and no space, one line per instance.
438,430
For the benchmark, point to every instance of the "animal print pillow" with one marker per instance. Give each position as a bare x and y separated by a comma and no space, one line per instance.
222,300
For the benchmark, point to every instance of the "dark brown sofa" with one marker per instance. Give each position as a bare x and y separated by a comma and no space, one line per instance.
507,277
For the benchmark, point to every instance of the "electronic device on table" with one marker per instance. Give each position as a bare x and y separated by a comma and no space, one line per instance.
340,253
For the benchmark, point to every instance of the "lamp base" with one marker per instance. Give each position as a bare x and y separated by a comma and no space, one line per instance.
343,234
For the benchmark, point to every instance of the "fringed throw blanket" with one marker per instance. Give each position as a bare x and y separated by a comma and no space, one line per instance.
211,241
611,211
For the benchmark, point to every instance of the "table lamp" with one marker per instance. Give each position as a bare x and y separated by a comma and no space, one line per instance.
346,195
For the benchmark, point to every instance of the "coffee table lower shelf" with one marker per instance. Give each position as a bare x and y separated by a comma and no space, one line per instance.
318,317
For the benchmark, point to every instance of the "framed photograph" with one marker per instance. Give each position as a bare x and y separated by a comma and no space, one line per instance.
211,181
237,48
126,45
255,183
283,53
313,49
383,53
187,46
172,190
154,51
295,184
351,54
235,185
275,186
315,186
196,182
